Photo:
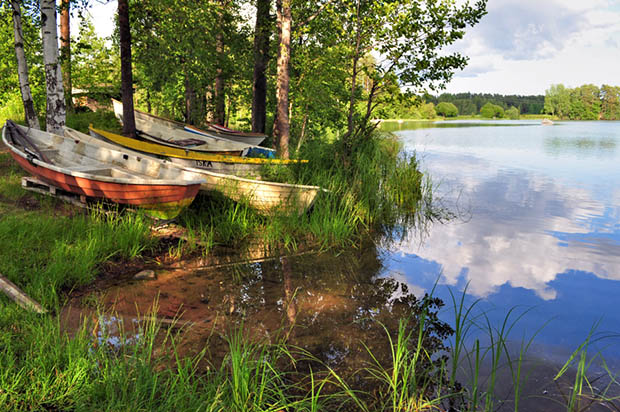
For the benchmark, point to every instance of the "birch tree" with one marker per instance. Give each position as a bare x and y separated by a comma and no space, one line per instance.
22,67
56,112
282,127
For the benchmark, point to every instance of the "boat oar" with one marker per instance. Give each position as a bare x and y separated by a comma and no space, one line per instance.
16,131
15,293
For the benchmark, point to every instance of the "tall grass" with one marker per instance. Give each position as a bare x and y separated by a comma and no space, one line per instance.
44,253
12,109
380,191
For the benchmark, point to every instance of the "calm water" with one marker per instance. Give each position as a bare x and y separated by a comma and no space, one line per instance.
539,226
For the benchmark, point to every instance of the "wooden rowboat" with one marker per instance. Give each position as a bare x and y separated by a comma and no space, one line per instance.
250,138
99,172
232,165
172,133
266,197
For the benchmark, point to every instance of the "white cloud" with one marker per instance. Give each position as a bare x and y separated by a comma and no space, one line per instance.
524,46
507,241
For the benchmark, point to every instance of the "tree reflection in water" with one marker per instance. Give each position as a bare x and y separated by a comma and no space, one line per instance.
336,307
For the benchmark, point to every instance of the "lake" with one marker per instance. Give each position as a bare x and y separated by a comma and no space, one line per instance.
538,226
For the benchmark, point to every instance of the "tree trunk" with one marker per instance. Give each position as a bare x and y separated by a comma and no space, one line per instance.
261,59
56,115
22,67
282,127
129,121
190,102
65,52
356,57
148,101
220,102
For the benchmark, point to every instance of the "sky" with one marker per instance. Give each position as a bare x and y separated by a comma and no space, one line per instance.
524,46
520,46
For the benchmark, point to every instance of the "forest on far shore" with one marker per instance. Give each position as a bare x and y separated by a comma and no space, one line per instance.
587,102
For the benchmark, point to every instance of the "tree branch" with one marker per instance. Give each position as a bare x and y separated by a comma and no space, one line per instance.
315,15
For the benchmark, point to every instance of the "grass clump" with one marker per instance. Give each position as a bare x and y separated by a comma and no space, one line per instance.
101,119
380,191
45,253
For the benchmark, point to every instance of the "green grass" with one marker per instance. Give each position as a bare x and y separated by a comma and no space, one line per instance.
101,119
46,254
380,192
12,109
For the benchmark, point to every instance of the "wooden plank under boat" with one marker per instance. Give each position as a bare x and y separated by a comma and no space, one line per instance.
232,165
99,172
266,197
169,132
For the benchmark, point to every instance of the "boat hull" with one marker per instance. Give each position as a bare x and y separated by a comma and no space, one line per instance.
252,140
265,197
171,133
236,169
163,201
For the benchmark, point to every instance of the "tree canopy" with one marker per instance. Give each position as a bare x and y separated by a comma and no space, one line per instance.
350,60
447,109
587,102
492,111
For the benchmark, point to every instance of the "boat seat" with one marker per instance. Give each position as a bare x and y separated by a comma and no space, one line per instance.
49,152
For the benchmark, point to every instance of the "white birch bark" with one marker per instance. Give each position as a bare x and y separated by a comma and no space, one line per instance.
22,67
56,111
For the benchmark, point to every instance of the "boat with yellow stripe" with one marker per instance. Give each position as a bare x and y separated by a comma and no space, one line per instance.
186,157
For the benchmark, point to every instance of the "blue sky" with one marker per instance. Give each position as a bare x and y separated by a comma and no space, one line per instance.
524,46
521,46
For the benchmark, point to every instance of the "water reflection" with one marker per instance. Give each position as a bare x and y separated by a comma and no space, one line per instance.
399,125
331,305
542,227
583,146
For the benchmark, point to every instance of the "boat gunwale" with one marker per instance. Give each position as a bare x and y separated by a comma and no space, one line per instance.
132,181
198,155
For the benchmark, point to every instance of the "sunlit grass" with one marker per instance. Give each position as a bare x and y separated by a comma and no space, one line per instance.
46,253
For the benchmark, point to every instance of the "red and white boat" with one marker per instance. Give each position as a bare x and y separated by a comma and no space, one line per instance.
83,168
